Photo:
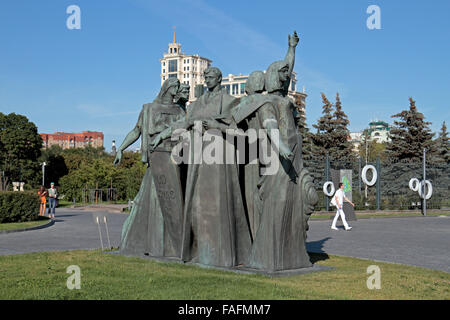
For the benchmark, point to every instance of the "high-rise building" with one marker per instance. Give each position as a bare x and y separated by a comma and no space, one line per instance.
187,68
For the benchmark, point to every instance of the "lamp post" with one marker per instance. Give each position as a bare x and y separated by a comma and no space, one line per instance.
43,173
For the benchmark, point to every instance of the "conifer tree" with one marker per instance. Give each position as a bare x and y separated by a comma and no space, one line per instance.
300,117
323,139
410,135
443,145
342,149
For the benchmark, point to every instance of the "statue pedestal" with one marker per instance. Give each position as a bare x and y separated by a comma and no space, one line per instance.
237,269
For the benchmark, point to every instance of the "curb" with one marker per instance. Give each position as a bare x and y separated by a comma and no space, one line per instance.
48,224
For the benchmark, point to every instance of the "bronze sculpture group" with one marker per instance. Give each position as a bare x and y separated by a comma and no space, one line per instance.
222,214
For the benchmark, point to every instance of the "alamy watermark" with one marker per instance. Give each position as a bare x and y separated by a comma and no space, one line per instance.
374,280
74,20
374,20
215,147
74,281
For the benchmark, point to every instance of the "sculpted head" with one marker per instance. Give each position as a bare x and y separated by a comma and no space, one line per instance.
276,76
183,92
255,83
213,77
168,90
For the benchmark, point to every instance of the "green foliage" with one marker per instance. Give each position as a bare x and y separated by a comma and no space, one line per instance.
410,135
332,133
342,148
443,145
20,147
372,149
96,171
18,206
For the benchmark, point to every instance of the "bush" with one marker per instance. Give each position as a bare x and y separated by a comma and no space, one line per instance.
18,206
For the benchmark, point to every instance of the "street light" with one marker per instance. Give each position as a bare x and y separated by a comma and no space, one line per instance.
43,173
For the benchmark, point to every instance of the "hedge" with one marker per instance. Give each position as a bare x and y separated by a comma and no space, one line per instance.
18,206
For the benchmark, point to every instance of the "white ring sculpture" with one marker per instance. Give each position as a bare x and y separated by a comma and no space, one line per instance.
325,188
364,175
429,191
414,184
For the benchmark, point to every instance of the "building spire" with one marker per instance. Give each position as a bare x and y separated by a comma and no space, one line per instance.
174,34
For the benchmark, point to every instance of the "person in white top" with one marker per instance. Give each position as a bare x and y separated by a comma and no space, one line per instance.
339,198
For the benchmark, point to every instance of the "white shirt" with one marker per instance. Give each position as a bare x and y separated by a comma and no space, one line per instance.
340,197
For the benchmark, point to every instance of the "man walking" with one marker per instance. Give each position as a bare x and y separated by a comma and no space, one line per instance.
338,201
52,195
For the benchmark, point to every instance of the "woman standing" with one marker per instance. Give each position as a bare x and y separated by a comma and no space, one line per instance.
287,197
154,225
43,198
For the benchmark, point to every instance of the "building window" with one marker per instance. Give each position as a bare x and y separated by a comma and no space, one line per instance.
235,88
164,78
164,64
173,66
170,50
164,70
242,87
173,75
292,85
175,50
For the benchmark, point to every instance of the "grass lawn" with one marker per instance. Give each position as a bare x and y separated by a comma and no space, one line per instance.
23,225
106,276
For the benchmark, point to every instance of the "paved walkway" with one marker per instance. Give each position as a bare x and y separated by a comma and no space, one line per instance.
73,229
419,241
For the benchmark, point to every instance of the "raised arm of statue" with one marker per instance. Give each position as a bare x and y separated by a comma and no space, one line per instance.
290,55
131,138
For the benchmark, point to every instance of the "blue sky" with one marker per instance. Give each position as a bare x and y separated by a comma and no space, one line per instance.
98,78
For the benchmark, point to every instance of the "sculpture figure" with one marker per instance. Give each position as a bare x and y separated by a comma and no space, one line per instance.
279,242
206,214
182,96
154,226
216,231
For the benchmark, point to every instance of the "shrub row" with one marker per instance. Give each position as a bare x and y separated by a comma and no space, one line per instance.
18,206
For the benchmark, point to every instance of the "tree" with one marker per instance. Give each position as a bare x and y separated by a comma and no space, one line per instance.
20,148
410,135
342,149
300,118
323,139
443,145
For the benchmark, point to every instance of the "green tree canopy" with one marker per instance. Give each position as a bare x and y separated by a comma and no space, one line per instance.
323,139
20,148
410,135
443,145
342,149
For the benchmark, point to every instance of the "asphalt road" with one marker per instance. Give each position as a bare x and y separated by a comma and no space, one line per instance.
73,229
418,241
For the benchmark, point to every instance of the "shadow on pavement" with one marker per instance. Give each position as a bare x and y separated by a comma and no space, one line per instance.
315,250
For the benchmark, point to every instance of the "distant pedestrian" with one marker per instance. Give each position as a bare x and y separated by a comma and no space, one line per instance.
338,201
52,196
43,200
